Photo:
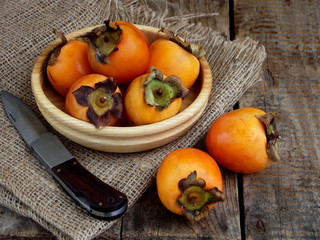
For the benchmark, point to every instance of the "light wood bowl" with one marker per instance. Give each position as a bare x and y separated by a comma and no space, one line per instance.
112,138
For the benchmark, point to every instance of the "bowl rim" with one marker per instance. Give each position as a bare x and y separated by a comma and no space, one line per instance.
143,130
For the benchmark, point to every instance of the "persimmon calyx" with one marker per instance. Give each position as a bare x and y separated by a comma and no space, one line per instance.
197,50
102,101
105,40
56,51
161,93
272,135
194,199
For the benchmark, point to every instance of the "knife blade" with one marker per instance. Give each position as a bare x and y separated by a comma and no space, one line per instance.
97,197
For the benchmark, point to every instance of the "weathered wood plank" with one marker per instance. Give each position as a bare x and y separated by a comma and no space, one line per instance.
212,13
15,226
283,200
148,218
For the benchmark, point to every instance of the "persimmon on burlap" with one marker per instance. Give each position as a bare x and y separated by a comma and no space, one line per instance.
25,186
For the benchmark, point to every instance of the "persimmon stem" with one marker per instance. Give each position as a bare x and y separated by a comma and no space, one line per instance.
160,92
63,38
273,135
105,40
194,198
103,99
195,49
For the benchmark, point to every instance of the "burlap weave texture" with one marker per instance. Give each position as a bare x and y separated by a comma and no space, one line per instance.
25,31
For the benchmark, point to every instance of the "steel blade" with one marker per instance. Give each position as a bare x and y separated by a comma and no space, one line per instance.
45,146
22,117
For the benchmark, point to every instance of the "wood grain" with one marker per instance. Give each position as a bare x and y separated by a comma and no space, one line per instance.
13,226
148,218
212,13
283,201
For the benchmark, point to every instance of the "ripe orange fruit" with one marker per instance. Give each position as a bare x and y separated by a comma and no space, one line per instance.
68,66
152,98
119,50
95,98
237,141
189,183
172,59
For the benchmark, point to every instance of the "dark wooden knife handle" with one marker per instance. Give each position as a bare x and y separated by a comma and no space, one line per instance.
97,197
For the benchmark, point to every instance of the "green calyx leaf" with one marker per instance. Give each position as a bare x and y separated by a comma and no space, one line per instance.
105,40
161,93
101,102
272,135
194,199
197,50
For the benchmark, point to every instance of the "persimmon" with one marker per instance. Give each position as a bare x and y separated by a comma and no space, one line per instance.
244,140
137,29
95,98
152,98
118,50
171,58
189,183
67,63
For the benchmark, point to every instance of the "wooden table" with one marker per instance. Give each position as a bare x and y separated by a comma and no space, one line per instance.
281,202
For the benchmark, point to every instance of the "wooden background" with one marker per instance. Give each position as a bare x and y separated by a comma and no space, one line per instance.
281,202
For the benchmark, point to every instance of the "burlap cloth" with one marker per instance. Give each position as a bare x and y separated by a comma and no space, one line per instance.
25,31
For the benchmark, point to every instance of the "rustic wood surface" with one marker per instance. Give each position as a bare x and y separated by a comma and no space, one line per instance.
281,202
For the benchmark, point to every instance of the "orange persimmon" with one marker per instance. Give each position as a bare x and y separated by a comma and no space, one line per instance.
189,183
68,63
95,98
118,50
243,140
133,26
172,59
152,98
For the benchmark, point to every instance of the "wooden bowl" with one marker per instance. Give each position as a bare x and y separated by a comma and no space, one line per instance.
112,138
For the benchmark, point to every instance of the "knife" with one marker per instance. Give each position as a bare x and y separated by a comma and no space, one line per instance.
98,198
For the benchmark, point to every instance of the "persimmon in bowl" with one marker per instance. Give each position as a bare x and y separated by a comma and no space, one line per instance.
122,138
